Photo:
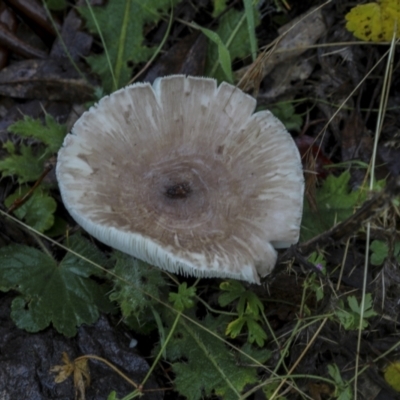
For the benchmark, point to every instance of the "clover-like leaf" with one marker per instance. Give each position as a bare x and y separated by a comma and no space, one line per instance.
184,298
350,318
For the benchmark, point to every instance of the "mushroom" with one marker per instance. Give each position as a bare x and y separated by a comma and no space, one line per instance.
184,176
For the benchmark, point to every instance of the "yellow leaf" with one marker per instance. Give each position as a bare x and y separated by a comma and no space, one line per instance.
392,375
63,371
80,369
375,22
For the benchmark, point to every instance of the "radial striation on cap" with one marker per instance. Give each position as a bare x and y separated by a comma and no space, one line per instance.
185,176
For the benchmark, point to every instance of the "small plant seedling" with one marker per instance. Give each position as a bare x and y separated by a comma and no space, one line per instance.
350,316
343,389
380,251
184,298
312,281
249,309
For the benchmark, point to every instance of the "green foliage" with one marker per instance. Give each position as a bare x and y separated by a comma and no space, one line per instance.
122,23
219,7
318,260
37,211
210,367
60,293
249,309
184,298
335,201
51,133
343,389
27,163
312,282
251,27
286,113
224,58
350,316
56,5
270,389
137,287
234,35
380,251
248,350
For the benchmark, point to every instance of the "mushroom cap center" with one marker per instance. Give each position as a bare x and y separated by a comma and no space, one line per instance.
182,193
179,190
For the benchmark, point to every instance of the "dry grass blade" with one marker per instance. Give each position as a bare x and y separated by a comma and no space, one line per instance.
294,40
381,114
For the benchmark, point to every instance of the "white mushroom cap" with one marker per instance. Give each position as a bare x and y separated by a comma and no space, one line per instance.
184,176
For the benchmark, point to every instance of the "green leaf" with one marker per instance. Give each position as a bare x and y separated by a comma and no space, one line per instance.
112,396
380,251
59,227
184,298
261,355
317,259
350,318
51,133
254,305
255,332
137,286
59,293
38,211
232,290
224,58
233,33
251,27
235,327
219,7
286,113
248,303
210,366
270,389
122,23
368,306
26,166
249,308
335,202
56,5
343,389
